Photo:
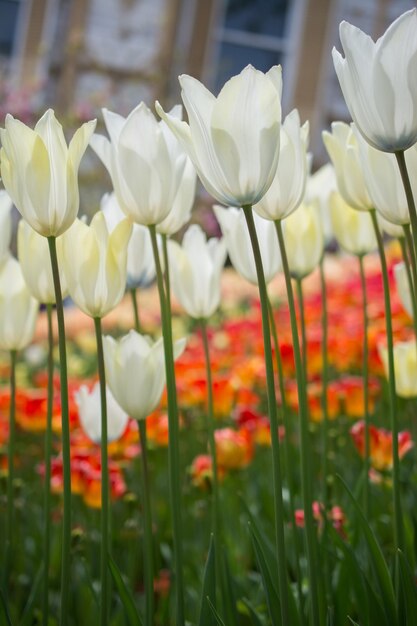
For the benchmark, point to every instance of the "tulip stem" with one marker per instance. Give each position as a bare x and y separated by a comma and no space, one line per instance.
147,519
325,433
10,470
216,524
299,285
48,451
410,261
365,385
166,271
173,441
398,522
400,156
287,451
325,383
136,319
66,458
305,450
147,526
272,411
105,539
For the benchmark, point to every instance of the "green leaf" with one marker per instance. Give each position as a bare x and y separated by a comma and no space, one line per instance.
209,588
377,560
408,589
26,617
256,620
353,576
269,587
5,609
352,621
125,594
228,591
217,617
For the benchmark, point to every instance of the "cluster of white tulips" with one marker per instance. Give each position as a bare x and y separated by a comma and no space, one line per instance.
257,167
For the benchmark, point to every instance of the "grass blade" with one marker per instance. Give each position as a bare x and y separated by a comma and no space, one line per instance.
125,595
207,617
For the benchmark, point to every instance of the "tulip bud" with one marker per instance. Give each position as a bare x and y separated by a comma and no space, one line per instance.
35,262
236,235
378,84
405,365
288,186
89,410
403,287
40,172
342,147
94,264
195,272
18,310
146,165
140,262
5,224
303,240
353,229
232,140
135,371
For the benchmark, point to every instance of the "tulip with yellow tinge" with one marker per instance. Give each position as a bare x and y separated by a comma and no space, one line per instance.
405,364
403,287
288,186
40,171
94,263
18,309
353,229
35,262
135,371
232,140
304,241
5,224
342,147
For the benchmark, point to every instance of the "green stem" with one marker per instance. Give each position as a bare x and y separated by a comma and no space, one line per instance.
147,525
173,441
166,271
66,458
10,470
48,452
105,538
147,515
400,155
287,451
272,411
411,269
398,522
305,449
365,386
134,296
216,524
325,383
299,285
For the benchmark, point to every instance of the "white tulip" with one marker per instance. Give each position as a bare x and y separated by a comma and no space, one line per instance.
89,411
232,140
195,272
135,371
236,235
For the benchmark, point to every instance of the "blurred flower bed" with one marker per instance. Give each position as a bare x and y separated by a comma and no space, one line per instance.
242,431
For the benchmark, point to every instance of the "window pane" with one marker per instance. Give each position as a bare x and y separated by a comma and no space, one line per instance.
8,20
266,17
